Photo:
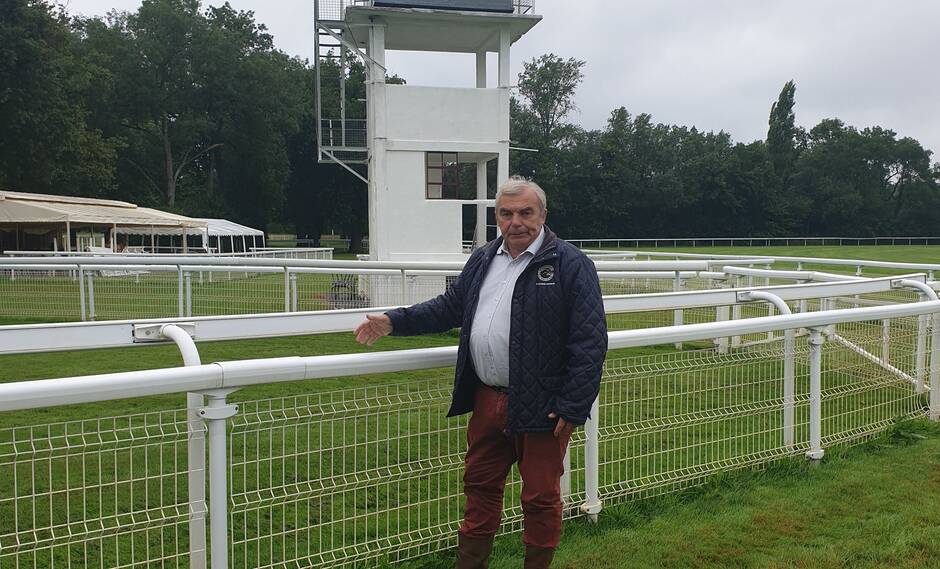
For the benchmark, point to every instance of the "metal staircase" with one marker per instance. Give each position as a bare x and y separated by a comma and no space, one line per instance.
342,134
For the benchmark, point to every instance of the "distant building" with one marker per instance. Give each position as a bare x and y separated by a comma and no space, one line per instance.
42,222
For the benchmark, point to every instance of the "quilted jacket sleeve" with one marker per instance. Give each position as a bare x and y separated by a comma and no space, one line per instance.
439,314
586,344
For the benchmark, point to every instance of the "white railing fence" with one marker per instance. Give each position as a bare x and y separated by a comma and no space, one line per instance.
843,267
89,292
342,478
624,312
117,287
751,241
323,253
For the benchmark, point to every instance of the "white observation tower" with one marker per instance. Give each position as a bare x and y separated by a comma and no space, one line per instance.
427,148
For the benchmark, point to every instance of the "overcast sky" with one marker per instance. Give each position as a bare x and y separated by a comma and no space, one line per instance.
715,64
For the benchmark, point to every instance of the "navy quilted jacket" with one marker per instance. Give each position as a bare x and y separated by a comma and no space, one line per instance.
558,334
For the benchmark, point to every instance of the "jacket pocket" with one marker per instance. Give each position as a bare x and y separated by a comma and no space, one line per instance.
552,383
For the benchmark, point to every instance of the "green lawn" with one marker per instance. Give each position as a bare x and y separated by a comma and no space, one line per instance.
894,253
872,506
899,253
323,463
42,298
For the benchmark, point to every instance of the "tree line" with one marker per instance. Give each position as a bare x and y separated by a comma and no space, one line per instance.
194,110
639,178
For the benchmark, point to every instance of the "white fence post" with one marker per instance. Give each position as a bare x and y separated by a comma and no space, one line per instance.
216,414
886,341
91,294
592,504
722,314
789,386
816,340
404,291
828,304
81,293
180,303
736,314
858,273
286,289
188,277
196,450
677,315
920,363
771,310
935,368
293,292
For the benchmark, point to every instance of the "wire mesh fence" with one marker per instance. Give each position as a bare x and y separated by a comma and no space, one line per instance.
363,476
670,420
340,478
146,291
40,294
113,295
220,293
109,492
358,477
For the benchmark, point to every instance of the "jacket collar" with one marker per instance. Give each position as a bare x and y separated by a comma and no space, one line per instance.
533,247
549,243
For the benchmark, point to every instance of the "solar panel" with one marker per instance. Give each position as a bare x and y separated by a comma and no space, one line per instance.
502,6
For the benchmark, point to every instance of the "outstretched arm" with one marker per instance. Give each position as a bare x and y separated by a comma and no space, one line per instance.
436,315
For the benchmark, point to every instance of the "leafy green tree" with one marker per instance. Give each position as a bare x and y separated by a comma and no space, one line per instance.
863,182
255,98
45,85
160,85
206,104
548,84
782,132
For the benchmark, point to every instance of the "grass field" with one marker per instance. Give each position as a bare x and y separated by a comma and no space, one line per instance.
900,253
43,298
848,512
894,253
872,506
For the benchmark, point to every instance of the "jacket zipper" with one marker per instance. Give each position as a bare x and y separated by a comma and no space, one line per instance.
549,253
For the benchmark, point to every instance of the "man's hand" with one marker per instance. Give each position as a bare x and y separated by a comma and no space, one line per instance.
375,326
562,428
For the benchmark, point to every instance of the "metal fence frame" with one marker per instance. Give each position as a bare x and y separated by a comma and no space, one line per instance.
216,381
124,283
752,241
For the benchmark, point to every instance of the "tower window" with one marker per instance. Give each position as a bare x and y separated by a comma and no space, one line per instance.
446,178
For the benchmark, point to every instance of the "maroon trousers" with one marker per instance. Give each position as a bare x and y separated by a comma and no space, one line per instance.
491,453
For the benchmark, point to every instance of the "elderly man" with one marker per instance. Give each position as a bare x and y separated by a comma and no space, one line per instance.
532,344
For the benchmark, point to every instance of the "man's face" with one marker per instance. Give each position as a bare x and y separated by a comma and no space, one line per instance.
520,218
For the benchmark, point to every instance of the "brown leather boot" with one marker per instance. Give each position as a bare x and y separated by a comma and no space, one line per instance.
538,557
473,552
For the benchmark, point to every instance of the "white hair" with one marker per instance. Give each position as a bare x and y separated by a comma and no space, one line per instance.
515,186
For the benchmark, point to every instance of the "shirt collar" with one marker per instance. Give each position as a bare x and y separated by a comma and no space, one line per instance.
533,248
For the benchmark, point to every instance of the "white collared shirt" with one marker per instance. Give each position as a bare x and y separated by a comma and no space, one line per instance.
489,333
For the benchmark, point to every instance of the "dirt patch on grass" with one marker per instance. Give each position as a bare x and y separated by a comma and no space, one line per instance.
780,524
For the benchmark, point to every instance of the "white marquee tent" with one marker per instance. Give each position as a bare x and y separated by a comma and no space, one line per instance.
61,222
222,235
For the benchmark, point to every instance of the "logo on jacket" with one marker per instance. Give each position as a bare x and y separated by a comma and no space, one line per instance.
546,273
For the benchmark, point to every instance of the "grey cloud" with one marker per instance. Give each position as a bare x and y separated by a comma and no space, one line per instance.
717,65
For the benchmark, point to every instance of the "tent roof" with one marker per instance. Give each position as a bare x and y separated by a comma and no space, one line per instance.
225,228
18,207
